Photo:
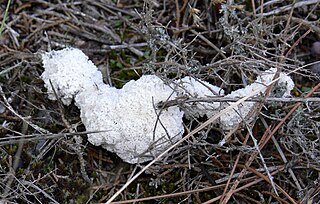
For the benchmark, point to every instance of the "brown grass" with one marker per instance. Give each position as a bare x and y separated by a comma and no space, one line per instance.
42,160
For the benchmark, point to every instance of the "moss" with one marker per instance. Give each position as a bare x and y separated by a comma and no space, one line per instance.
115,64
11,148
25,79
3,79
20,171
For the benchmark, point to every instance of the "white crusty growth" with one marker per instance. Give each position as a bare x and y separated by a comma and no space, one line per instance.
136,133
70,72
136,130
196,88
235,116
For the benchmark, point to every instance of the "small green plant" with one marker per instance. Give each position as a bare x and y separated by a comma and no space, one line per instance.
5,16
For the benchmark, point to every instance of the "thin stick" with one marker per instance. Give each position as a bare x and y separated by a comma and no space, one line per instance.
268,180
253,5
242,187
184,100
35,137
261,9
233,169
288,7
9,107
209,43
197,190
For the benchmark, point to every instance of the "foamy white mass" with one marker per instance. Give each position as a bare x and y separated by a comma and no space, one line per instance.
133,127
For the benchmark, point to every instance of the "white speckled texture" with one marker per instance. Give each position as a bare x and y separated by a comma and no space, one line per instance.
234,117
197,88
135,132
134,128
70,72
